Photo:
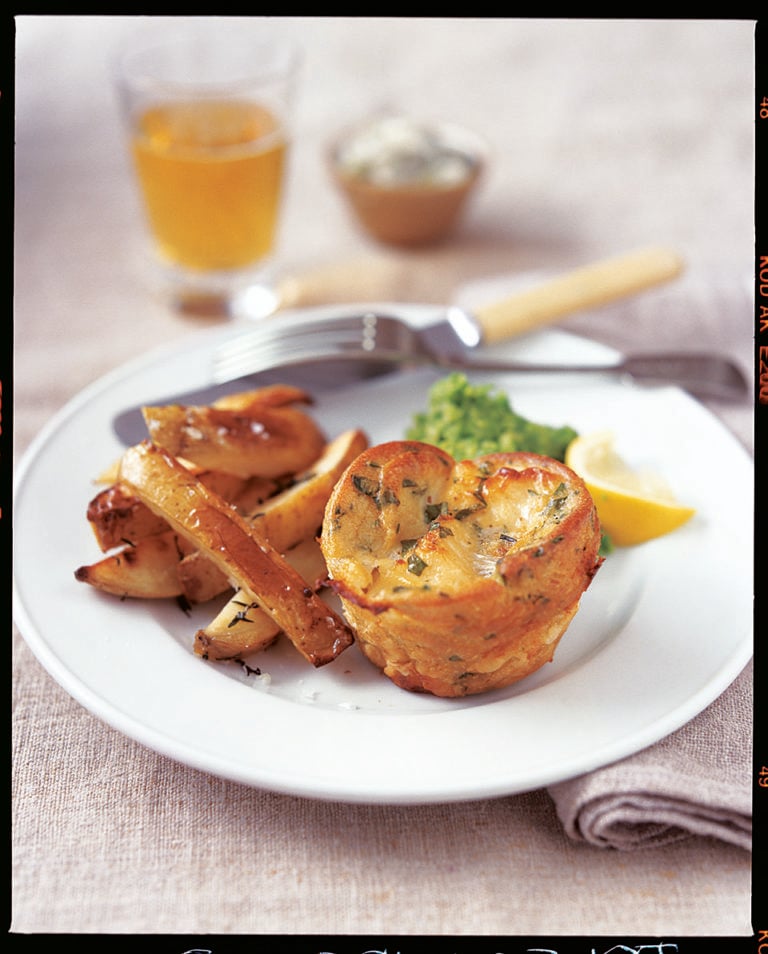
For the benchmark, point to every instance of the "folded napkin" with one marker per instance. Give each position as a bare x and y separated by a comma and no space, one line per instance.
696,781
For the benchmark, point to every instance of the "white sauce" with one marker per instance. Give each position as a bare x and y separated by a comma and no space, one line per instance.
398,151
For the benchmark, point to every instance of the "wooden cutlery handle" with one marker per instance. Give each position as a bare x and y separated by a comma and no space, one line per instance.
586,287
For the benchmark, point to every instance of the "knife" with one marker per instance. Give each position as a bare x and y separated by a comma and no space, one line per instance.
589,286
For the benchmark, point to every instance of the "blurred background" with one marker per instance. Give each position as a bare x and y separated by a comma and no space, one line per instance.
604,135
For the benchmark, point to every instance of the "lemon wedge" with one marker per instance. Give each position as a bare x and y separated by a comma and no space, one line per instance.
633,505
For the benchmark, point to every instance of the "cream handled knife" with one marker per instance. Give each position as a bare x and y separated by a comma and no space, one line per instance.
543,303
590,286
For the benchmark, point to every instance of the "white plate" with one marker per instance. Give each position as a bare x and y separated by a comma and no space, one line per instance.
662,631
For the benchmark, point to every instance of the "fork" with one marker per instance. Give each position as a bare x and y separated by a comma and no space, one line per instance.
374,337
276,344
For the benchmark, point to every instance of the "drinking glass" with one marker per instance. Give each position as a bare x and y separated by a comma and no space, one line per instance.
208,121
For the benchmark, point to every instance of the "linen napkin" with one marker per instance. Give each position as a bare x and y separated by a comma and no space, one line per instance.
696,781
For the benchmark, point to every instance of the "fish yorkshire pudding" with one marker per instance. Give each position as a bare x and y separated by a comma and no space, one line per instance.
459,577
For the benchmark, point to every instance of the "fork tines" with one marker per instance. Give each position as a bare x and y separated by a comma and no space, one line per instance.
277,343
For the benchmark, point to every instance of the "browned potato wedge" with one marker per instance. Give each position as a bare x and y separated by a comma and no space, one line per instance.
308,560
214,527
241,627
297,512
285,519
148,570
459,577
274,395
259,439
151,569
118,517
200,579
253,493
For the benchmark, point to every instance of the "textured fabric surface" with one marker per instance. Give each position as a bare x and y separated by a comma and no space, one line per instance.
696,781
606,135
112,837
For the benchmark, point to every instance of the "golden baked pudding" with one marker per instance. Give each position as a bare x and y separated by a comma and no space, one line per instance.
459,577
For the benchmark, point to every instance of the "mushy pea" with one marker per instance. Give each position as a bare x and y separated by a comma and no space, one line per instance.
469,420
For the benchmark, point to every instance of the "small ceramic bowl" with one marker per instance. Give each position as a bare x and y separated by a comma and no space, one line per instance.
407,182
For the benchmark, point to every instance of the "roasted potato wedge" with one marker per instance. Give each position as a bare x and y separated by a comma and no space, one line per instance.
146,570
252,563
117,516
241,627
260,438
253,492
297,512
286,519
200,579
308,560
274,395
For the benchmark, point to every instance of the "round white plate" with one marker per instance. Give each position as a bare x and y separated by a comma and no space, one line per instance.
661,632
